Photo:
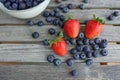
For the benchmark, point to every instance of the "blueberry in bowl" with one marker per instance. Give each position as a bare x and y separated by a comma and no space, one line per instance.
23,9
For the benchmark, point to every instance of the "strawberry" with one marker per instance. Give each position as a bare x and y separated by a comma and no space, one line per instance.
93,27
72,28
59,45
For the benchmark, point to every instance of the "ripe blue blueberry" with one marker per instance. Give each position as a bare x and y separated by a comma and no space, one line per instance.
86,1
49,19
65,10
97,40
56,22
57,14
62,17
95,53
46,14
104,52
105,41
82,56
40,23
50,58
79,48
86,49
56,10
73,51
52,13
91,42
61,24
30,23
103,45
35,35
89,54
57,62
51,31
74,72
82,6
45,42
116,13
76,56
86,41
70,6
61,6
89,62
73,41
79,42
81,35
110,18
70,62
67,41
95,47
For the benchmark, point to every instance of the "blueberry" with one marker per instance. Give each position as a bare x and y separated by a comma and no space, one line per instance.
74,73
61,24
95,54
56,22
91,42
22,6
51,31
111,17
79,48
45,42
70,62
73,41
104,52
57,62
86,41
116,13
86,1
70,6
35,3
73,51
57,14
76,56
15,6
79,42
89,54
89,62
49,19
50,58
7,4
46,14
62,17
86,49
82,6
29,4
65,10
52,13
95,47
97,40
105,41
35,35
82,56
67,41
103,45
30,23
56,10
81,35
61,6
40,23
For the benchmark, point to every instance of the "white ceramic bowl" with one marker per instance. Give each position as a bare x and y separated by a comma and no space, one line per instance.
28,13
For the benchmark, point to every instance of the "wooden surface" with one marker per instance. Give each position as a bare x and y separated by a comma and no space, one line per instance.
24,58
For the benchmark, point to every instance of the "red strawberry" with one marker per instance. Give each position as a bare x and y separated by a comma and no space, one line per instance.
93,27
72,28
59,46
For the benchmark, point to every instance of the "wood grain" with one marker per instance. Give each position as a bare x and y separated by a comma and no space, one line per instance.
38,53
23,33
92,3
81,15
46,71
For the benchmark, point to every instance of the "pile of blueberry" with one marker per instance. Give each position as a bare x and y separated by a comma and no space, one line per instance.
20,4
85,49
113,15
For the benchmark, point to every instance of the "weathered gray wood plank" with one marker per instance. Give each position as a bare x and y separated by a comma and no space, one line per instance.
23,33
45,71
81,15
38,53
91,4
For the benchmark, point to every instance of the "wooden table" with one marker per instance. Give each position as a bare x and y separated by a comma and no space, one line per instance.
24,58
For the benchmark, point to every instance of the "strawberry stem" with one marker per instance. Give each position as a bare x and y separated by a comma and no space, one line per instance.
98,19
57,39
68,17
